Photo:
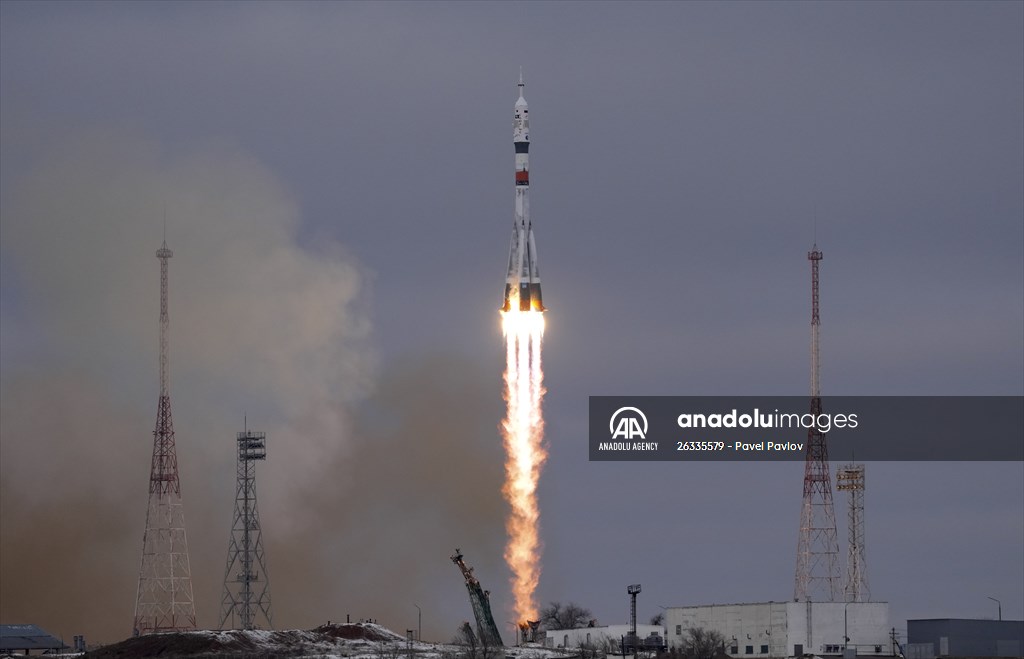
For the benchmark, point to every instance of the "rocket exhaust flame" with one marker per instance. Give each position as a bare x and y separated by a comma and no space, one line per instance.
523,430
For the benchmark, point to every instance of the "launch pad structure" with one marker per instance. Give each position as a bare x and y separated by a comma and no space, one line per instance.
486,629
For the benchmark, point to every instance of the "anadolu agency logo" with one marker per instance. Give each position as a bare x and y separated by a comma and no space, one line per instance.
628,423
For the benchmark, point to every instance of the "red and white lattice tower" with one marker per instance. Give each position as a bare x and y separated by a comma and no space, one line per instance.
817,554
164,601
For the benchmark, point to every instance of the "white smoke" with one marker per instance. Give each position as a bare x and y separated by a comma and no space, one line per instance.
258,323
261,325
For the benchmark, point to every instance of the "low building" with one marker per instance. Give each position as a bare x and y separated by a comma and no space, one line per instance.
964,637
26,639
788,629
599,638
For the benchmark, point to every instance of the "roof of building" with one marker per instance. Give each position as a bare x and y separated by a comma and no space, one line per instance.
639,627
27,637
708,606
983,620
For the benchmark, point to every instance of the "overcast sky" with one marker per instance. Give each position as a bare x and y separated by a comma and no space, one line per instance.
337,185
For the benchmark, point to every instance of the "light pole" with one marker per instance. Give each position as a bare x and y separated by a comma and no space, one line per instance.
846,627
1000,605
419,623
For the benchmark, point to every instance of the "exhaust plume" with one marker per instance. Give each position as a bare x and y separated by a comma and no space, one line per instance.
523,430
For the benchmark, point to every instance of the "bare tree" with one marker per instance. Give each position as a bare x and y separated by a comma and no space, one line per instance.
387,650
658,618
557,615
488,651
587,650
700,643
466,638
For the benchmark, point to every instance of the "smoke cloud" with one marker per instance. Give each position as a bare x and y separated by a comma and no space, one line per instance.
424,477
365,489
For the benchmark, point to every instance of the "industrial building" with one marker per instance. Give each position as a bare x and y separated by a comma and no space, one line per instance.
788,629
963,637
598,637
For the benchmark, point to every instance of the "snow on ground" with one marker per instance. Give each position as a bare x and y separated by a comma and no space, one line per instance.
342,641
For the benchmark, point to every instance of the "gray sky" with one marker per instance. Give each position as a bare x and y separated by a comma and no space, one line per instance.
337,180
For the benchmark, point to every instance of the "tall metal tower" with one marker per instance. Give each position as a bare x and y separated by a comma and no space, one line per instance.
817,554
246,586
850,478
632,642
164,599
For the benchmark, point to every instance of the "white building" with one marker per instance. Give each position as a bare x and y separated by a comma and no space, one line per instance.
788,629
597,637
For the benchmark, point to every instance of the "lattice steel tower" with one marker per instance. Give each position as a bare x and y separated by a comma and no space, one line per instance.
817,554
164,599
850,478
246,586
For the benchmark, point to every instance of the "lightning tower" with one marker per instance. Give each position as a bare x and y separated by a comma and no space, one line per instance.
164,598
850,478
246,586
817,571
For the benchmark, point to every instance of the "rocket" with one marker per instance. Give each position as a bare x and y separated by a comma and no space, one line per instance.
523,280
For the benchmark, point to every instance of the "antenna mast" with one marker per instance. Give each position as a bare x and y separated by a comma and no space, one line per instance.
817,567
164,599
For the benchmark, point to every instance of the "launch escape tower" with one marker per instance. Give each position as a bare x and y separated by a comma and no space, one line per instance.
817,568
486,630
850,478
246,586
164,598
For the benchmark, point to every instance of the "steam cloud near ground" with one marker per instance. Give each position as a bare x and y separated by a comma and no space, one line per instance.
367,486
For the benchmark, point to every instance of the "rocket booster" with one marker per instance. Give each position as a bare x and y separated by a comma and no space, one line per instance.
523,280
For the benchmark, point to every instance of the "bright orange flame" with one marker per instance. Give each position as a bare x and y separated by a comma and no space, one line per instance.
524,433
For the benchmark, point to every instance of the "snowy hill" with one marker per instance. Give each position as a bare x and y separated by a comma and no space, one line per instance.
344,641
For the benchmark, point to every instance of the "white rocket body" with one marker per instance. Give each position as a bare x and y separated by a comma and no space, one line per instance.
523,274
